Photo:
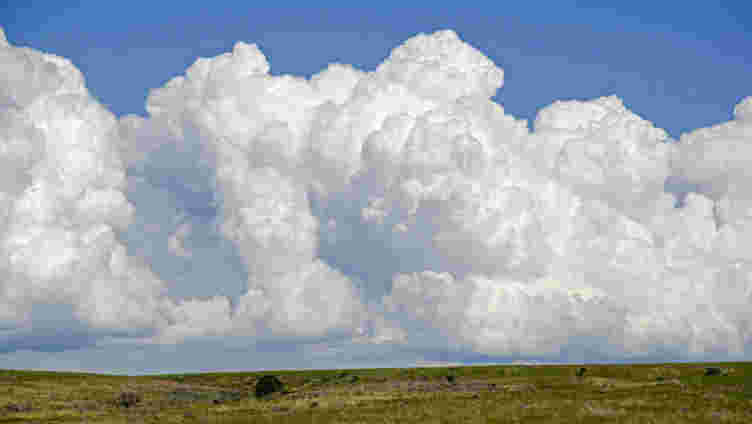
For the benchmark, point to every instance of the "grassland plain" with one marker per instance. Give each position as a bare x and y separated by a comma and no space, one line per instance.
644,393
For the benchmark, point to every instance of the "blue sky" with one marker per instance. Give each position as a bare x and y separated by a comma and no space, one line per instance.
550,254
681,65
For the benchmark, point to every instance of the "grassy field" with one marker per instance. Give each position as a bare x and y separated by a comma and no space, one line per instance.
656,393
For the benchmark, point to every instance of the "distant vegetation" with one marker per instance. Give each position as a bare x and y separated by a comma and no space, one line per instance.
655,393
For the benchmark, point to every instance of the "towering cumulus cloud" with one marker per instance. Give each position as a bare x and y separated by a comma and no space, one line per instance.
64,275
399,206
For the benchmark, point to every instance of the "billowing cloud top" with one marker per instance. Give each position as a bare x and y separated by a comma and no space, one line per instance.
62,203
398,206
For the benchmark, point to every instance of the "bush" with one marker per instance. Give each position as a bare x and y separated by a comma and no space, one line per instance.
13,408
267,385
710,371
127,399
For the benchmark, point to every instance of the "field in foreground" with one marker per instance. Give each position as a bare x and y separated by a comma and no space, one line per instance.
655,393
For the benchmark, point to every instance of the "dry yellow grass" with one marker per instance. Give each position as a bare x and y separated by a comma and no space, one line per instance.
668,393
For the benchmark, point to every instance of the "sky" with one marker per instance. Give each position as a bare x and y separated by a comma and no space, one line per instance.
234,188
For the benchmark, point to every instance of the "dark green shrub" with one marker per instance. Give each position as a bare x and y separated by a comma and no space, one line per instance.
267,385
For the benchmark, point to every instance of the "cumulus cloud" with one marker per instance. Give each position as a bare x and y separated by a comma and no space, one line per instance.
398,207
63,205
176,243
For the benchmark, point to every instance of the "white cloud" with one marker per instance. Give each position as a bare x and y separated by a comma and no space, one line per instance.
743,110
176,242
397,210
63,205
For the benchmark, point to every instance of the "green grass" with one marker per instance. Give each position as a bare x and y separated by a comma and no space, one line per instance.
641,393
